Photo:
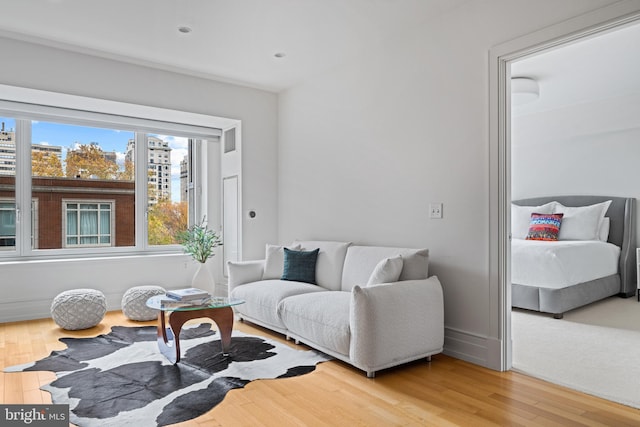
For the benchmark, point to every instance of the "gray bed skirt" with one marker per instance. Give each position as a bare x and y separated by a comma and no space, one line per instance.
558,301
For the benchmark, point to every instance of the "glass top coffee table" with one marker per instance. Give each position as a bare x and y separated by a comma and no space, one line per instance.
217,309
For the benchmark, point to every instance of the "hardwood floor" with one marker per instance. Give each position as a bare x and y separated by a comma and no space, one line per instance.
445,392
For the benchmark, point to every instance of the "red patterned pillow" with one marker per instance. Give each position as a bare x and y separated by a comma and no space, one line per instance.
544,226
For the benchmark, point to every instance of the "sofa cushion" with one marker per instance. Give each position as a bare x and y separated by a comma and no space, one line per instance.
322,318
387,271
300,266
262,298
415,264
241,272
330,261
274,261
360,262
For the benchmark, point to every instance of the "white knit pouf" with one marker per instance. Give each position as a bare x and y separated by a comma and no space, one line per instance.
78,309
134,302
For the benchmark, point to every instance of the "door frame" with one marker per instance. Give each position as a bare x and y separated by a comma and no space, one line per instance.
582,27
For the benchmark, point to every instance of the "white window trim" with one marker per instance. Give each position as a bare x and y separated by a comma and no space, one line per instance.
98,112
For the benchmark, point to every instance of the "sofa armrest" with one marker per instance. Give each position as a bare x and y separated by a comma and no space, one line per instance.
241,272
396,322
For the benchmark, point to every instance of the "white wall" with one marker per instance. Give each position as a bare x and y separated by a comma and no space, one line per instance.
591,148
28,288
359,151
366,147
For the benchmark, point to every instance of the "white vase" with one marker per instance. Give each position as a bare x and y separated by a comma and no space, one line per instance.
203,279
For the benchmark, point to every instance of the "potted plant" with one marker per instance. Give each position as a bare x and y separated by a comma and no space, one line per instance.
199,242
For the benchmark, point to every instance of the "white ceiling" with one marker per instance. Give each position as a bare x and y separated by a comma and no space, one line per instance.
232,40
603,67
236,40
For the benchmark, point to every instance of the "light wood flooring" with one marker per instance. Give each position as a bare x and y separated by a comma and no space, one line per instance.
445,392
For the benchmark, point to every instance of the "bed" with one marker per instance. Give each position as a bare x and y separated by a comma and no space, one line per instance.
558,276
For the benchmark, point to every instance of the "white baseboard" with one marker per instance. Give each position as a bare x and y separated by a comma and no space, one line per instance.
15,311
473,348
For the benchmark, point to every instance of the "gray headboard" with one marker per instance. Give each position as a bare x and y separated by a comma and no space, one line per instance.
621,232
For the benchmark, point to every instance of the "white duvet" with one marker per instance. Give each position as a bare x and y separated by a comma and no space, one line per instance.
561,263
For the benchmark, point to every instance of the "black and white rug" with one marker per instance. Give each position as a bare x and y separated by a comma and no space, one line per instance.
121,378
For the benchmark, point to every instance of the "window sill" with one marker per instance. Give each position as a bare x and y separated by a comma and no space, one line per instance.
92,257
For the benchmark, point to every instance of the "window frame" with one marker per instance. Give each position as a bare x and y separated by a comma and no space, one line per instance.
34,222
104,114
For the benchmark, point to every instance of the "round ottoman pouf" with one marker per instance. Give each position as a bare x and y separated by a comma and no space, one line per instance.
134,302
78,309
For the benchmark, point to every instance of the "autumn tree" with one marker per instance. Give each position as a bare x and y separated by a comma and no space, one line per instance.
165,220
128,174
88,160
45,164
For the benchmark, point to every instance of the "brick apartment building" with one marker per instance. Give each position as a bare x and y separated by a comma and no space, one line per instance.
104,208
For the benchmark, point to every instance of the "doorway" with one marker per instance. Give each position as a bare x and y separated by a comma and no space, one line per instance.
584,27
573,132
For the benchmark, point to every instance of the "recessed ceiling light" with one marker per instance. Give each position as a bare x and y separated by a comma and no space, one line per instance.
185,30
280,54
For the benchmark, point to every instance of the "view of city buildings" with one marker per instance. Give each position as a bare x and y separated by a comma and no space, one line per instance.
158,155
8,151
184,180
87,198
159,167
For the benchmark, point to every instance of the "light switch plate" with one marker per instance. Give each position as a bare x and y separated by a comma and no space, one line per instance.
435,210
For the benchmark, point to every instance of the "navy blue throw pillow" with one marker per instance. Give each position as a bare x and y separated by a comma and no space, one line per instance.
300,266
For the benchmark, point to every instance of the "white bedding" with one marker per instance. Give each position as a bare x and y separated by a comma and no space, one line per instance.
563,263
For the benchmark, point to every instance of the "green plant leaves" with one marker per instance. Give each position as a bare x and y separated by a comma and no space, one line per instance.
199,241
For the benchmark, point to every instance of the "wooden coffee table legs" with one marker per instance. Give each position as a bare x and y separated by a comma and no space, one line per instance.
169,336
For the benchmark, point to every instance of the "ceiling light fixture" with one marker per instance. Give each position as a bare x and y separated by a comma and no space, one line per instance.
185,30
524,90
280,54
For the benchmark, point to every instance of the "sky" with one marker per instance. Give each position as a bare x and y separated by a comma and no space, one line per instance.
70,136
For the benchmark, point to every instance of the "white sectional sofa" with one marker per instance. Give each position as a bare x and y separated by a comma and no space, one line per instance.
373,307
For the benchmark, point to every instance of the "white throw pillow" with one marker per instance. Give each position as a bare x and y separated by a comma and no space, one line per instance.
330,261
581,222
603,230
274,260
387,271
521,218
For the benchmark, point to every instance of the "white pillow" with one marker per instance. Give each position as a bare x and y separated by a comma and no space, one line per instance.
387,271
581,222
603,230
521,218
274,261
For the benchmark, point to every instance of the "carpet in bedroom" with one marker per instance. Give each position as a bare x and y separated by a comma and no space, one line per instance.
588,350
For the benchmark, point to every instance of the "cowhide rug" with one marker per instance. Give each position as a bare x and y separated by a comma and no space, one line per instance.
121,378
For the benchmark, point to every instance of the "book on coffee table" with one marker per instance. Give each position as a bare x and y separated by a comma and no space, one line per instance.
188,294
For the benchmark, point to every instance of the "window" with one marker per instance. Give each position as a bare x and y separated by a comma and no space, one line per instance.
168,208
87,164
88,224
8,210
91,183
7,223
